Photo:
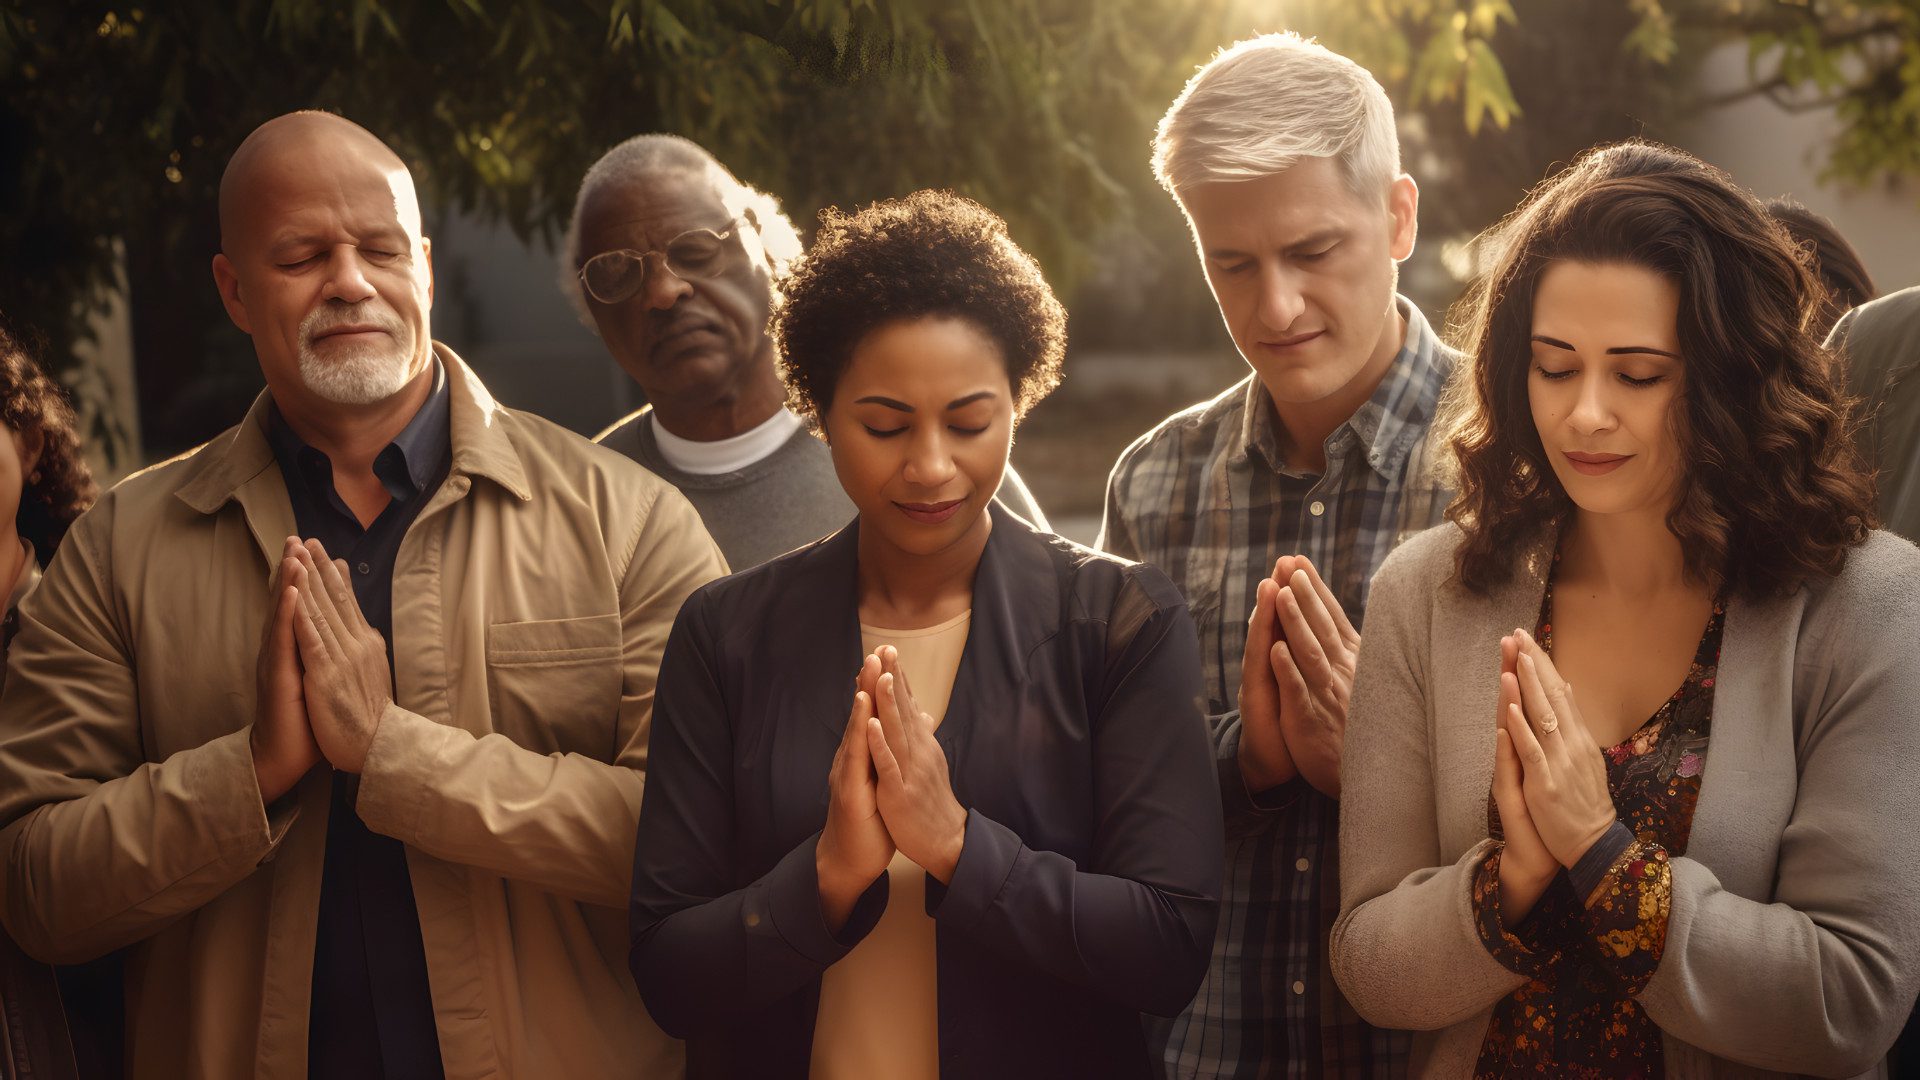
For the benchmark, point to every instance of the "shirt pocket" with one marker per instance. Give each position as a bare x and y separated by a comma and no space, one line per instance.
554,684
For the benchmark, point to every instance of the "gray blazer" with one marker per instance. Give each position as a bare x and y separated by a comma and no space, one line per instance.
1794,938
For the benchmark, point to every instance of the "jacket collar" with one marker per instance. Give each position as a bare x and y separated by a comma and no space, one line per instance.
480,446
1017,604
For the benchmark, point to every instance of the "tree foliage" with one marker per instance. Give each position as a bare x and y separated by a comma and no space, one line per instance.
117,118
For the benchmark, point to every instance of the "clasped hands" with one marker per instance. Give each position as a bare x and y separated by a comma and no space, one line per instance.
1549,776
1296,677
323,680
888,789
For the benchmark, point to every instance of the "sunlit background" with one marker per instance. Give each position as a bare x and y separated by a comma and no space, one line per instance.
118,119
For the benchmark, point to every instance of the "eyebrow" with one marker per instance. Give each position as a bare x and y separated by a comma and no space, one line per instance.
901,406
1622,350
1311,241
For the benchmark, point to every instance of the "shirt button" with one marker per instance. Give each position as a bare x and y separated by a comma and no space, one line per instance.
1299,987
1317,508
1301,864
753,921
364,568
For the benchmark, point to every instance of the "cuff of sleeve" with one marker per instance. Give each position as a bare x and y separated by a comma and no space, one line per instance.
1235,799
1591,869
402,764
1528,947
987,859
246,827
792,907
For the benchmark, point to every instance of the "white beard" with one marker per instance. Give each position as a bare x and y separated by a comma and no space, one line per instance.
360,375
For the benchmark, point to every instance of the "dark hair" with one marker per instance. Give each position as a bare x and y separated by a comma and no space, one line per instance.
1838,268
932,253
1773,494
30,401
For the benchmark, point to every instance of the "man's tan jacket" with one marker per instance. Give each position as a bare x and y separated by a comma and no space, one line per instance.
531,601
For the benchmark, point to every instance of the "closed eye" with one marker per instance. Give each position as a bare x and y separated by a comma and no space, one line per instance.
1552,375
883,433
1648,381
1310,256
958,430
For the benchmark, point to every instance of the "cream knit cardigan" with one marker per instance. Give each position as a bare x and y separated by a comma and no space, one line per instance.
1793,942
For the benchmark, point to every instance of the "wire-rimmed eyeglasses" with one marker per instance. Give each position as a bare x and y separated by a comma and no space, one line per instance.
613,277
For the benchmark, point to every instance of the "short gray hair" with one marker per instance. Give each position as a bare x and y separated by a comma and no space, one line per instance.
657,155
1262,104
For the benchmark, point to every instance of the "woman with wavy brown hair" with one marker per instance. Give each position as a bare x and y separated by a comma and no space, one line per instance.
1704,857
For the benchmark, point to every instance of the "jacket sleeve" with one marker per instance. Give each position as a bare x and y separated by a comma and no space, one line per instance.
702,946
1137,924
564,822
1407,947
101,847
1821,979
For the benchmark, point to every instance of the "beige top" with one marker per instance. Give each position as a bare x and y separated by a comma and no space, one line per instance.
878,1006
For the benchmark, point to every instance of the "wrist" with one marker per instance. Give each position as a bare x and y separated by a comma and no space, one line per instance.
947,859
1263,776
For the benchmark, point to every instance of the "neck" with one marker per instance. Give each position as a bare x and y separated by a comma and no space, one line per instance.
15,554
735,411
902,587
1308,424
352,436
1630,554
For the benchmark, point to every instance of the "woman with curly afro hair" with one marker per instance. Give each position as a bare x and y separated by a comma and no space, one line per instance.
1702,860
933,796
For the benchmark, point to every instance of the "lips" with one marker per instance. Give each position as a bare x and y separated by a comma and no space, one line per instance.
343,331
1294,341
1594,464
931,513
675,331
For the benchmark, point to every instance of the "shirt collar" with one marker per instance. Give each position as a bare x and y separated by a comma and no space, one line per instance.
1385,428
408,464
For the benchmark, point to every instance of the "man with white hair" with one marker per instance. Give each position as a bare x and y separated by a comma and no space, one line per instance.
675,263
1281,497
370,816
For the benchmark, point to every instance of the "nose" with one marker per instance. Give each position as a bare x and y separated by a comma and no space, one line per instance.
1280,302
347,277
1593,405
662,288
929,460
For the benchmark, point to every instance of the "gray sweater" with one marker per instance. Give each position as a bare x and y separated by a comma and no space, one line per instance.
1793,942
789,498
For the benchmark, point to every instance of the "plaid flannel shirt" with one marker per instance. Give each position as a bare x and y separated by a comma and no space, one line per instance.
1207,496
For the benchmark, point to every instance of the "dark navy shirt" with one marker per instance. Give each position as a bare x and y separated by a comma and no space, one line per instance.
372,1010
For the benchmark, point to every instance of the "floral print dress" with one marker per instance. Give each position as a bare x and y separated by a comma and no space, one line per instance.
1586,957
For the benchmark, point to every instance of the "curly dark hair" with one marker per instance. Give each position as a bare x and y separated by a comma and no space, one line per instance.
31,401
1774,493
932,253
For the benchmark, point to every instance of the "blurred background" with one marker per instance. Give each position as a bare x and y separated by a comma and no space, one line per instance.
116,120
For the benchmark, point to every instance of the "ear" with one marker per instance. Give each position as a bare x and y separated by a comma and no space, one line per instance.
426,250
1403,202
227,281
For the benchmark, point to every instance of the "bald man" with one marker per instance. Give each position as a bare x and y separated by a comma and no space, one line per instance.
338,722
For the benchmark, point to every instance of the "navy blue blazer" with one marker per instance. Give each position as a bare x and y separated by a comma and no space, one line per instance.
1089,880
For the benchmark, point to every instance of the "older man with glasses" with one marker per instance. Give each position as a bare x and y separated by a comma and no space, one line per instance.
676,264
